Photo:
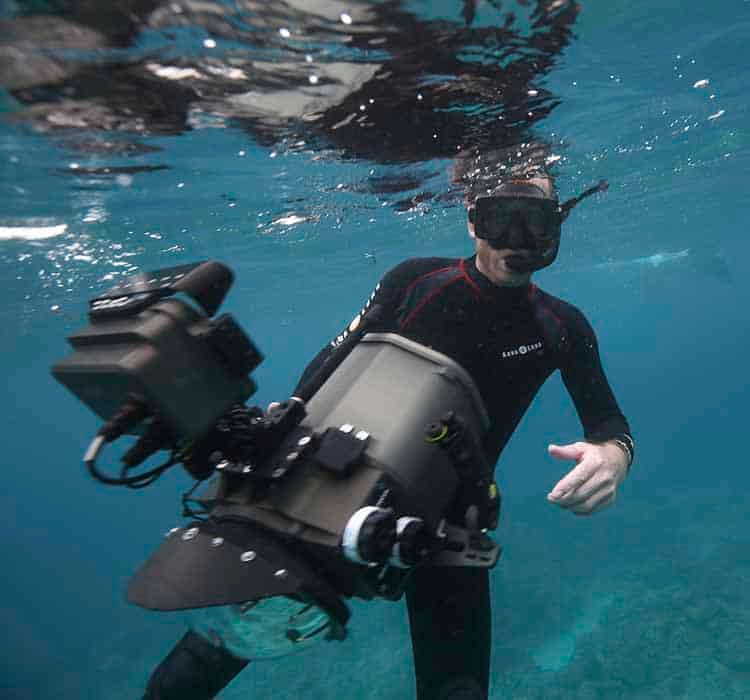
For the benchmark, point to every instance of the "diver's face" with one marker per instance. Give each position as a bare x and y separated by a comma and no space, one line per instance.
492,263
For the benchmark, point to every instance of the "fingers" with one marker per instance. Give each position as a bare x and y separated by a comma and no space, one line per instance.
595,504
591,497
570,499
574,451
567,487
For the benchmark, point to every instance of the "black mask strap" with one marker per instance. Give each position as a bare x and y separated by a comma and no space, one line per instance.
567,206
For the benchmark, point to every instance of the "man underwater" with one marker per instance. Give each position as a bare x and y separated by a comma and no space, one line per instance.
486,314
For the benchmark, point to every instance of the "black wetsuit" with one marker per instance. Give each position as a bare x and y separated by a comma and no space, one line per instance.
509,339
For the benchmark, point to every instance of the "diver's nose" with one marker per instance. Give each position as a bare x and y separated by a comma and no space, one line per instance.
518,234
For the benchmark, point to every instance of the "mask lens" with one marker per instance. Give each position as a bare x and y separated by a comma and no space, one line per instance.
537,222
494,216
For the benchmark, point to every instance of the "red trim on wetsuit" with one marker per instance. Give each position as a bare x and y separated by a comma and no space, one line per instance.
425,276
430,296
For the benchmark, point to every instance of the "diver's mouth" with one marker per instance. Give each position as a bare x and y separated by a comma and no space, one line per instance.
517,255
520,262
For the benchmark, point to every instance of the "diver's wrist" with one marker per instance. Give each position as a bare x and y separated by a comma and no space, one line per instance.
624,443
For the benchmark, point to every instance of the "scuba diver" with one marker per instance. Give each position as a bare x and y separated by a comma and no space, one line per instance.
486,314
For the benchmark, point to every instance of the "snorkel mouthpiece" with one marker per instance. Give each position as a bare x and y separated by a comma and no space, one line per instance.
525,262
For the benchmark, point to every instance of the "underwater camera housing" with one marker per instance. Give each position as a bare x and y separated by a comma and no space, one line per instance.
374,468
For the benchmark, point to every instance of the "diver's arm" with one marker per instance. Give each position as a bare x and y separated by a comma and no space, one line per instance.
587,384
602,460
313,366
385,297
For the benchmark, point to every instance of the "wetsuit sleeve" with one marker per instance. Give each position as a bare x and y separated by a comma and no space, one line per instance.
386,296
584,377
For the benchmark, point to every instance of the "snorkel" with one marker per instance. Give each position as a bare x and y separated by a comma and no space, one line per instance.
569,204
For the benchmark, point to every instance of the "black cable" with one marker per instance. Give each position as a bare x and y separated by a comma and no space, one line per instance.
157,436
138,481
147,478
130,414
187,511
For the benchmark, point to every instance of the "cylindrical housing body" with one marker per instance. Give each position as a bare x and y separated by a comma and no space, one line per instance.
392,388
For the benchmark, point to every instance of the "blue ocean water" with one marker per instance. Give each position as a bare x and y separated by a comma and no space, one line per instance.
648,599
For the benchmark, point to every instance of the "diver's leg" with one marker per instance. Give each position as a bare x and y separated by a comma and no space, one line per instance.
194,670
450,620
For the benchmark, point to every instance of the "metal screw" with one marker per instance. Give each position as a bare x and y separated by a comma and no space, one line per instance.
217,541
248,556
346,428
303,441
281,573
362,435
292,456
190,534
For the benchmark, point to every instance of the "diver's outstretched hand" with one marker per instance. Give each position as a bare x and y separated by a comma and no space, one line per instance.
592,484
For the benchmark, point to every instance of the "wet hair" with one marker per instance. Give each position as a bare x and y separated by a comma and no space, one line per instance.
480,172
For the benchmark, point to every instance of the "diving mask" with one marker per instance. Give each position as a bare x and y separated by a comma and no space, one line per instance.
520,216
